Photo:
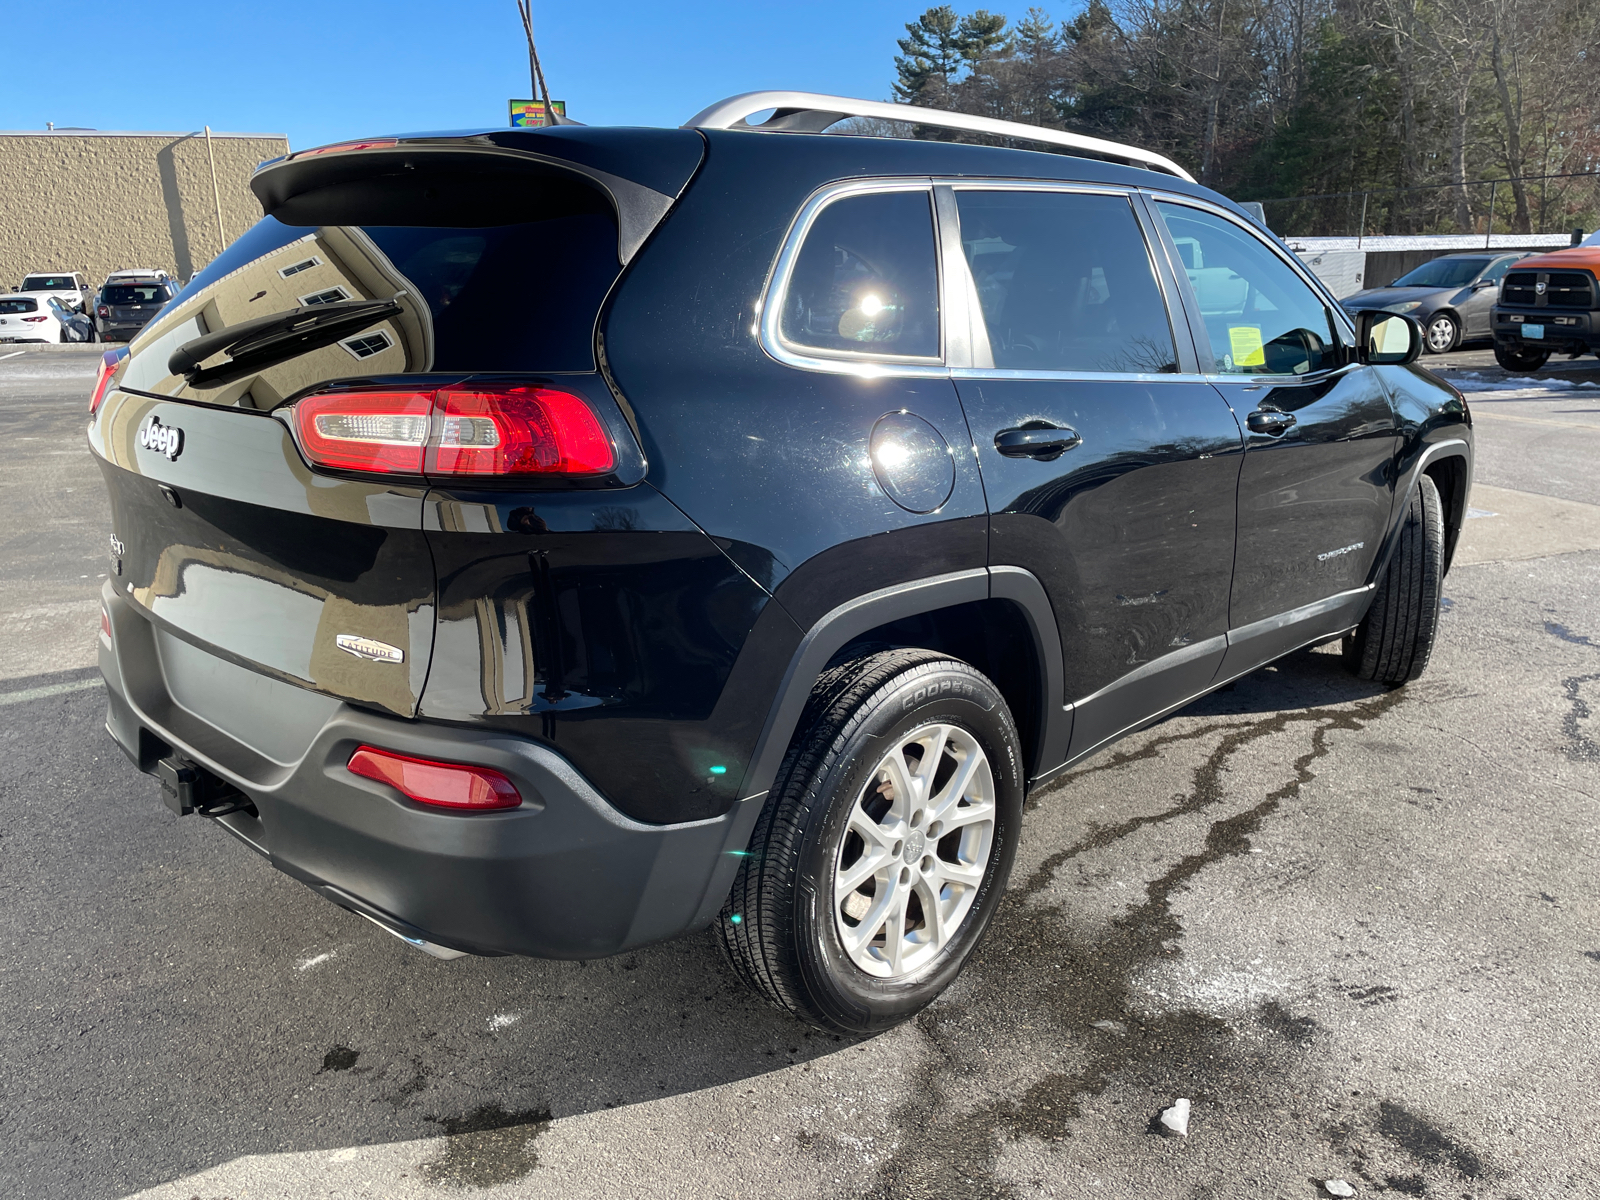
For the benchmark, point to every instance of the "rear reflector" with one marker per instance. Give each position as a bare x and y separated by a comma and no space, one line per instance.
102,379
105,623
449,785
488,431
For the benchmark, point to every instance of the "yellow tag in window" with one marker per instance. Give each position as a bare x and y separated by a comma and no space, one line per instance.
1247,350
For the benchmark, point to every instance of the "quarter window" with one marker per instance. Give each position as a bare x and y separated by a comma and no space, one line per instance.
866,280
1260,317
1065,282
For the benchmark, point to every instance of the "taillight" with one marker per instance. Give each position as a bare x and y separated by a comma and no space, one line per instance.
102,379
519,431
450,785
366,431
103,312
42,317
476,432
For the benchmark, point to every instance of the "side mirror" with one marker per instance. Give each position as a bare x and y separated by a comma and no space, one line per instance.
1386,339
1483,283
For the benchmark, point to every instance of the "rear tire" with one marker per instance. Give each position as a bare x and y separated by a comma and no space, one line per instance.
1394,641
862,898
1442,334
1518,358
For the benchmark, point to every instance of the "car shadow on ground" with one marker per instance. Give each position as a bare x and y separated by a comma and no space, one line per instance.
172,1002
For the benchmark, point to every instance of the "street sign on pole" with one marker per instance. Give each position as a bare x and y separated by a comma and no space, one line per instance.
531,114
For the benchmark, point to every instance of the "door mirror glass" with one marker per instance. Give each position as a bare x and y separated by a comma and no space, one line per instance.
1065,282
1387,339
1260,317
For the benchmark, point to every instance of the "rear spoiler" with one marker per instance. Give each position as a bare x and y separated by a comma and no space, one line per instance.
297,180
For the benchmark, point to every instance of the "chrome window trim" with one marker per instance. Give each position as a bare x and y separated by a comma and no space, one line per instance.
863,364
1291,260
998,373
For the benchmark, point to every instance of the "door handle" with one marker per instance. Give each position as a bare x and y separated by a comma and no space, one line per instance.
1269,420
1042,442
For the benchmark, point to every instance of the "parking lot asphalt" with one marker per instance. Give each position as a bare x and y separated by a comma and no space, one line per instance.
1357,929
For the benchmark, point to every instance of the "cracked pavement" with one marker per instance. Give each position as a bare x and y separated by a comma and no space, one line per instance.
1356,928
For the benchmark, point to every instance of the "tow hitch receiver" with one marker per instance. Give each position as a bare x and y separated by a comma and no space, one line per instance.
187,787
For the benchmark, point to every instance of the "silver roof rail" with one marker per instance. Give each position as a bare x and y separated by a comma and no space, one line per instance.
812,112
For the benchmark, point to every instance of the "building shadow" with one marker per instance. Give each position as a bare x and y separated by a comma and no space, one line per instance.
172,200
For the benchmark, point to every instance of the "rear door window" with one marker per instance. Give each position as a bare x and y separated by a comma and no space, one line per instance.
866,280
1066,282
1260,317
469,282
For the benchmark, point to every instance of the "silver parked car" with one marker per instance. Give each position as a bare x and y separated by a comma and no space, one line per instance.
1451,296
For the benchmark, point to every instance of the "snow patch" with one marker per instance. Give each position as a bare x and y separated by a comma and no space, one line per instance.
502,1020
305,964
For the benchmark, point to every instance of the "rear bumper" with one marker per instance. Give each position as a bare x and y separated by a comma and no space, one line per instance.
564,876
1576,332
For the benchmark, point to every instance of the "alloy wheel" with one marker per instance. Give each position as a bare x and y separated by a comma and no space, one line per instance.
1441,334
915,850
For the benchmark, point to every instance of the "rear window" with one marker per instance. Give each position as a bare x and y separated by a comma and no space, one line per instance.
483,281
49,283
151,294
19,306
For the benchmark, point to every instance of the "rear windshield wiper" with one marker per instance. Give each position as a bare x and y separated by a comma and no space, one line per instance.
255,345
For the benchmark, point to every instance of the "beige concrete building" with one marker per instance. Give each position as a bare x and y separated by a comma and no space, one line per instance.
76,200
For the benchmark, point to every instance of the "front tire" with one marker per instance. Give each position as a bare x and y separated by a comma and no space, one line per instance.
1394,641
1520,358
885,846
1442,334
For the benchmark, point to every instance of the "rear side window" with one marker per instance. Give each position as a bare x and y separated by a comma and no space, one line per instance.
487,276
1066,282
866,280
1260,317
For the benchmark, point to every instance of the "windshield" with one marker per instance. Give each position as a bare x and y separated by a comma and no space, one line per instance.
1443,273
49,283
18,306
152,293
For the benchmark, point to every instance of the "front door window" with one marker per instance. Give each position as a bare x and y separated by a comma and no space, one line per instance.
1260,317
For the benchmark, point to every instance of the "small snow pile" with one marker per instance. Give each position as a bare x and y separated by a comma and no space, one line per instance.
1176,1118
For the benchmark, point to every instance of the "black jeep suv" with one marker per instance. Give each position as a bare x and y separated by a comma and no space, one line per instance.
553,541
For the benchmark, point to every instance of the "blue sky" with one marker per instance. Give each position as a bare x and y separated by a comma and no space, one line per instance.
344,68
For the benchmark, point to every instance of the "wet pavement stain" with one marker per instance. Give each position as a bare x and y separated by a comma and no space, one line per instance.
1580,746
487,1147
947,1146
340,1058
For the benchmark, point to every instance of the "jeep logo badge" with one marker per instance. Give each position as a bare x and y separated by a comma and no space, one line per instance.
163,439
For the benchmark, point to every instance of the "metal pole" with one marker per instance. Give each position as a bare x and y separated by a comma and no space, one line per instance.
1362,232
1489,227
216,196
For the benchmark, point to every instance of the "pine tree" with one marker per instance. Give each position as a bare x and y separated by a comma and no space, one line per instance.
932,56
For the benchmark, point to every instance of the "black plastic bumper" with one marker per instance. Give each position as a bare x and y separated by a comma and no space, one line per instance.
564,876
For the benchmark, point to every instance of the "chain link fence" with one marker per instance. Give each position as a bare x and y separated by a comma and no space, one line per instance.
1531,204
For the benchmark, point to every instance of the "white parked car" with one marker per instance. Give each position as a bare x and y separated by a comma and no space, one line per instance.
72,288
41,318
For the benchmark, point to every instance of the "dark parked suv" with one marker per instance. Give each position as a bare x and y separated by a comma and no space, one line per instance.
817,498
